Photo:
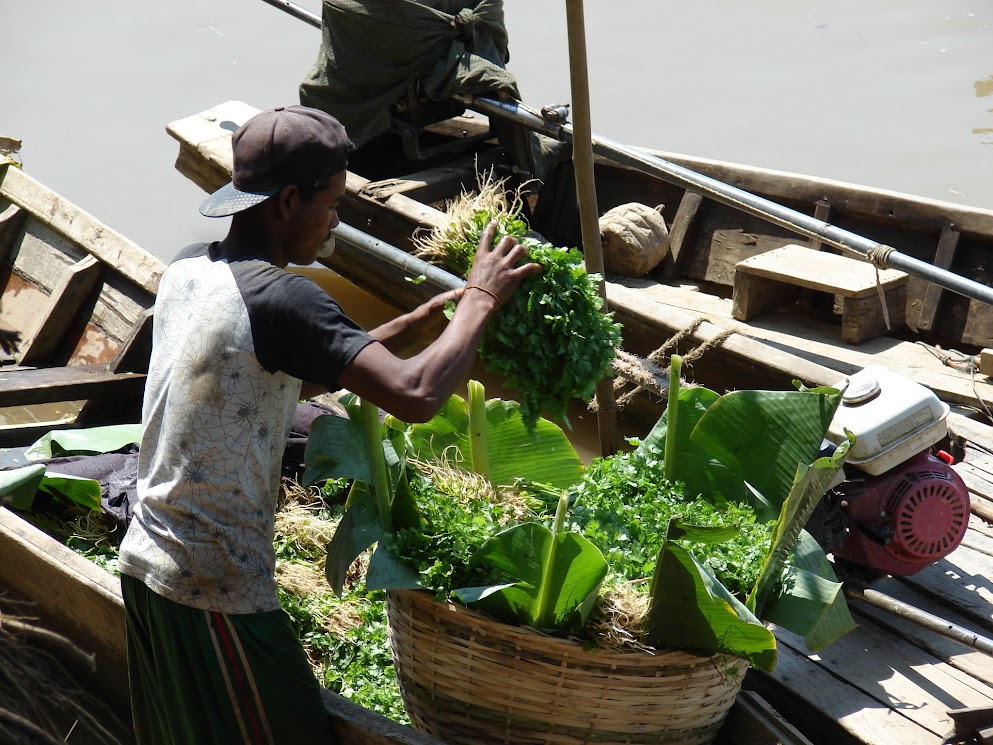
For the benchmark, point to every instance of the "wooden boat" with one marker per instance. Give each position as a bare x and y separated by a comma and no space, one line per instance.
75,306
889,681
77,302
692,294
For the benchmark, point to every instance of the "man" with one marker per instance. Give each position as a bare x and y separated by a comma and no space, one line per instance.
212,658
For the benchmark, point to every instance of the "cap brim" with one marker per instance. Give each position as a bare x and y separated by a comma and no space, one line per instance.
227,201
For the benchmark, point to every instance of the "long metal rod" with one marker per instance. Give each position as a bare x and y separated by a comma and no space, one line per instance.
766,209
296,11
397,257
738,198
923,618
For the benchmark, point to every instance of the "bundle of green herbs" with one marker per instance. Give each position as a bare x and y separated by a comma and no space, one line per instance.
691,541
552,341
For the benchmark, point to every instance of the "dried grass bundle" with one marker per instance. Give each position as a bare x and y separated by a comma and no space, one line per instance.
619,619
40,699
464,486
453,244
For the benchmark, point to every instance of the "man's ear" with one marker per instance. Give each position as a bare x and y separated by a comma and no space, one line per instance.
287,200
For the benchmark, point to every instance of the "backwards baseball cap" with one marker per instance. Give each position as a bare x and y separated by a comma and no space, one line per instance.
292,145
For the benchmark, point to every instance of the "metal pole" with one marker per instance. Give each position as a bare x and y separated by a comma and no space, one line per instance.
397,257
923,618
740,199
296,11
589,215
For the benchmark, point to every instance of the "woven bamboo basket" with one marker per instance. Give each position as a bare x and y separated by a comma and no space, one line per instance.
466,678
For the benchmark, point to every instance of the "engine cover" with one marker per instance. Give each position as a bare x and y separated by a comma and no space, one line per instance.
905,519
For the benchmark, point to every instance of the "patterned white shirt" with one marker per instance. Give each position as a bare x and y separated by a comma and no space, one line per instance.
233,338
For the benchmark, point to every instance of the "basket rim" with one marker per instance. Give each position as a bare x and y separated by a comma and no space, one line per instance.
567,645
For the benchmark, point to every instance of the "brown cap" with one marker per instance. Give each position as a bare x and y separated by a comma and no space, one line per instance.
292,145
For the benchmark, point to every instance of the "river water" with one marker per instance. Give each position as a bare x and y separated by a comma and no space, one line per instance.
893,95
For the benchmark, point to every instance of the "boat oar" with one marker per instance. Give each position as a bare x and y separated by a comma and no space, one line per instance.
589,216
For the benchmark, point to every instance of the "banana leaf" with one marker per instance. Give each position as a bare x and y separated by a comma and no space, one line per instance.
763,444
692,610
558,576
22,485
543,455
699,471
88,441
815,606
762,436
807,490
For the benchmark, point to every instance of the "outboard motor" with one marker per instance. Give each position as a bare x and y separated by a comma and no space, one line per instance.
899,508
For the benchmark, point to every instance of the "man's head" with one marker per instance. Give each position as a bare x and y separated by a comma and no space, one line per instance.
287,146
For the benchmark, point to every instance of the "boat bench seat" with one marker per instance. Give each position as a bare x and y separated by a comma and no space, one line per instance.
54,384
775,278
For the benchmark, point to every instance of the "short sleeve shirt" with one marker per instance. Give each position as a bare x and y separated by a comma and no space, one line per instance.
232,341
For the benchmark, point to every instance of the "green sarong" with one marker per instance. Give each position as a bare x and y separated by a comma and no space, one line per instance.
200,676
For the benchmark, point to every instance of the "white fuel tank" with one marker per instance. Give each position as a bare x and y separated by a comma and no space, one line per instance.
891,416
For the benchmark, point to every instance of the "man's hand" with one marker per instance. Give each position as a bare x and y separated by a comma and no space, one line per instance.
494,270
414,389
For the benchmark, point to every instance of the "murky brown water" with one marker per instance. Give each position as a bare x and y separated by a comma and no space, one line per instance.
893,95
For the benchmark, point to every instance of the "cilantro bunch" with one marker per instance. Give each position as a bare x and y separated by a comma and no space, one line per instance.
552,341
441,550
624,504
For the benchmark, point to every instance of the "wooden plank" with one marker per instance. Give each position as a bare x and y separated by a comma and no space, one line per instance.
829,709
45,385
68,592
772,279
966,430
352,723
822,211
682,225
979,484
901,676
961,581
119,306
753,721
43,254
865,318
970,661
943,258
979,536
83,601
12,220
816,270
133,357
808,339
434,184
136,351
846,198
63,307
986,362
96,238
